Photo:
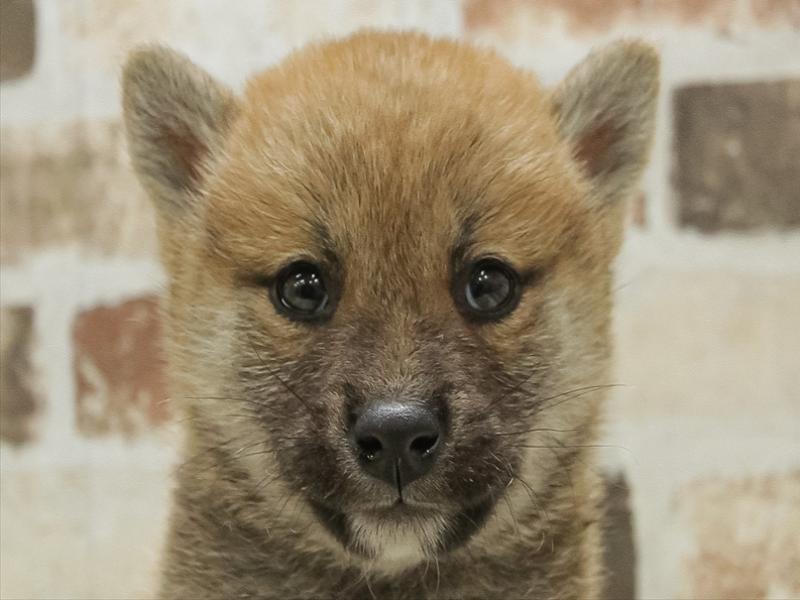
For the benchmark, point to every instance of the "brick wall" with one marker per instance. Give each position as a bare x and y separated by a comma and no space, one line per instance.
704,456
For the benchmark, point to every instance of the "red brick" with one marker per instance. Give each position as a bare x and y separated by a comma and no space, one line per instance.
119,370
587,16
19,402
718,13
17,38
776,12
584,16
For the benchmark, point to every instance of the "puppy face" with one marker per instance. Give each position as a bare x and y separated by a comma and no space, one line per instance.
390,272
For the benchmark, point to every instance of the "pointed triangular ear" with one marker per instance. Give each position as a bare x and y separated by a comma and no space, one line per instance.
605,109
175,116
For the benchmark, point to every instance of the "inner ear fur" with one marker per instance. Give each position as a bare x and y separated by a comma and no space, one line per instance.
605,110
176,115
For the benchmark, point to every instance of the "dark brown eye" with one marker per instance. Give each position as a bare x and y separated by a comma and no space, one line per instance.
491,289
300,291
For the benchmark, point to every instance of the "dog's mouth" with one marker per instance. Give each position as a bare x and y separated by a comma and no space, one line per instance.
401,509
455,528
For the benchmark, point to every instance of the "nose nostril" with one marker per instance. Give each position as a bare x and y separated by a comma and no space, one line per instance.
370,446
424,444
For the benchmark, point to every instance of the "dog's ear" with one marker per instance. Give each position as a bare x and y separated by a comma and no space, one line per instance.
605,110
175,117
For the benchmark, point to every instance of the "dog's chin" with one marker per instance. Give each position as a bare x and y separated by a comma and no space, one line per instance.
400,535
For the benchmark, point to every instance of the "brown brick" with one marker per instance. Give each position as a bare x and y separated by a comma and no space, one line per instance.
745,537
19,402
17,38
737,151
71,184
618,547
119,371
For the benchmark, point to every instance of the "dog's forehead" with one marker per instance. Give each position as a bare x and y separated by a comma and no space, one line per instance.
400,168
407,197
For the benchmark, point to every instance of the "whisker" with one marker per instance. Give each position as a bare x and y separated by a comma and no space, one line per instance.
300,438
242,398
572,446
304,530
345,593
533,496
531,493
225,415
229,459
534,370
593,468
369,587
208,450
569,396
582,390
438,574
283,506
513,516
538,430
274,374
264,484
425,572
519,385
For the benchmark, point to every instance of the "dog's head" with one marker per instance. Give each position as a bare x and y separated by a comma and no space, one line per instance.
389,271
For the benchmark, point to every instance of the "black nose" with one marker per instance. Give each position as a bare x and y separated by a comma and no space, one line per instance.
397,442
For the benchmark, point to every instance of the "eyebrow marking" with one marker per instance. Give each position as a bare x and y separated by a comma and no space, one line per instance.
463,242
323,255
326,244
465,246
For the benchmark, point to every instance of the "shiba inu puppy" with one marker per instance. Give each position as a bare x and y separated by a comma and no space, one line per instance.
388,314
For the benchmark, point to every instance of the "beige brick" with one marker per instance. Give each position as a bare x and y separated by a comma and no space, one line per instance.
131,508
45,519
99,33
82,532
17,38
119,370
71,184
708,343
19,400
744,533
737,147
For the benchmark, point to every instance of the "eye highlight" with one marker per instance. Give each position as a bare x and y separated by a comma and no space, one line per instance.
490,290
300,292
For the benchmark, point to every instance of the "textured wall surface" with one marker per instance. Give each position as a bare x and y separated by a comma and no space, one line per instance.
703,462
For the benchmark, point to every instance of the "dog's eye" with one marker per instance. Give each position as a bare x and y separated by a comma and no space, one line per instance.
300,291
492,289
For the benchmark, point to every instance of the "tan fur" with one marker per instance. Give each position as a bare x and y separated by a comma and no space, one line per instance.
387,148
